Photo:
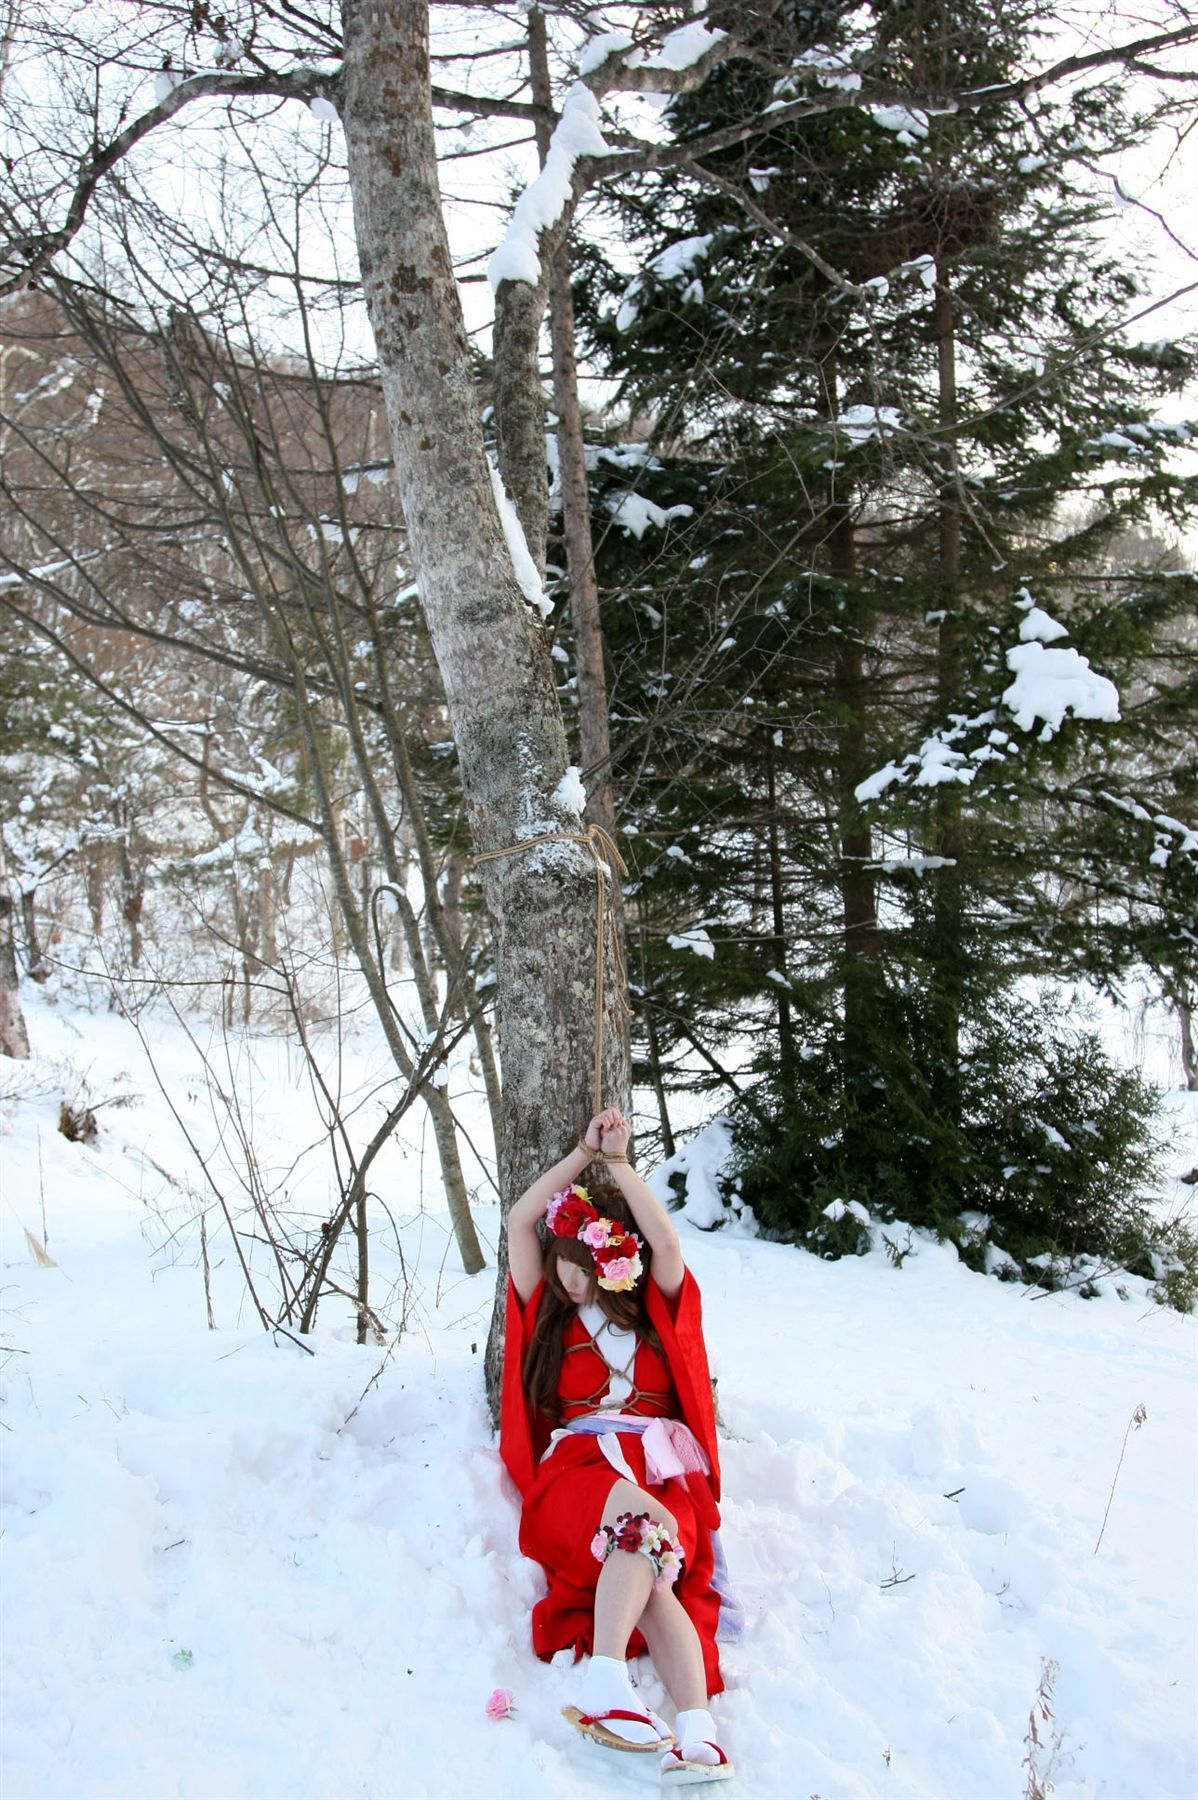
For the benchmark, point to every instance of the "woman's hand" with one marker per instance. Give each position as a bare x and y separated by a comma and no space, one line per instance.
649,1216
592,1137
616,1131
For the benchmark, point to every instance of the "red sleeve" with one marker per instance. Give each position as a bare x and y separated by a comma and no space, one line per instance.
518,1434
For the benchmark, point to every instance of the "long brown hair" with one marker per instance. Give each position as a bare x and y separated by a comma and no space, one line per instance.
543,1358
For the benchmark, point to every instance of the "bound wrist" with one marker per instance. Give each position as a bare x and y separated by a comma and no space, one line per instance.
585,1148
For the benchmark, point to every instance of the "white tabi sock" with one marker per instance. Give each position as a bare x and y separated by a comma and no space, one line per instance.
605,1686
695,1732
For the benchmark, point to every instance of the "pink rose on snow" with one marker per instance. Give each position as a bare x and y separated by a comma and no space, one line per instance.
501,1704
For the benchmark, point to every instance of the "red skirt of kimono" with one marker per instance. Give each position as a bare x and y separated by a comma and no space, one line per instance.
565,1501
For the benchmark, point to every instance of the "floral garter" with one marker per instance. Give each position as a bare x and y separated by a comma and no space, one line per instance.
617,1253
638,1532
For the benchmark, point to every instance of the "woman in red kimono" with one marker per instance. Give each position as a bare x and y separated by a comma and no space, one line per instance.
608,1430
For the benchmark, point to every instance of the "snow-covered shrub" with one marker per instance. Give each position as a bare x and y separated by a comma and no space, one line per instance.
1049,1158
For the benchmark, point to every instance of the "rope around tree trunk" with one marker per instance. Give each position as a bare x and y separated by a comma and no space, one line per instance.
607,861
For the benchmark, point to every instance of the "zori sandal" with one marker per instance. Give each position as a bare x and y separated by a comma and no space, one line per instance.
592,1726
680,1768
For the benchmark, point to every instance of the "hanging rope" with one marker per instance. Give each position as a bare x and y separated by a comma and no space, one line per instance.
607,860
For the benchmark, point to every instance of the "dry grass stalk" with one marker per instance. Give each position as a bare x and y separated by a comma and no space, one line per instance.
1135,1422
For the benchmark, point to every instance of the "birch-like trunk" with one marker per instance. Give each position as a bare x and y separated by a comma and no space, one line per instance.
489,644
14,1039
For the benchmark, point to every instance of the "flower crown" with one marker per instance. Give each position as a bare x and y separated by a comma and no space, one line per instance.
617,1252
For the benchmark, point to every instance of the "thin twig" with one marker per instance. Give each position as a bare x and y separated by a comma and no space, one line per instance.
1136,1420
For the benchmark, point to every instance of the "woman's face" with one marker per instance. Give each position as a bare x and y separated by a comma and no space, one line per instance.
575,1280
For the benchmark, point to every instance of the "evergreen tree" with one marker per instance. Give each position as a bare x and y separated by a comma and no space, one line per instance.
878,410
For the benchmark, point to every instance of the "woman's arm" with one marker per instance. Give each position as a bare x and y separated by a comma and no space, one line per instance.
524,1255
652,1220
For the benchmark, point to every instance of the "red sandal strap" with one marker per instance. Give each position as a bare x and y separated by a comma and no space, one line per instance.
618,1712
683,1757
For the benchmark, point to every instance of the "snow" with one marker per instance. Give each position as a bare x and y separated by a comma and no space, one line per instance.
683,48
1051,684
569,793
674,261
1037,624
636,514
830,69
608,43
876,784
695,939
902,120
680,50
236,1571
860,423
542,203
913,865
320,108
527,574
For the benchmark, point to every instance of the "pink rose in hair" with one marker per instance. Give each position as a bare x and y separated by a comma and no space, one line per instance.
595,1235
618,1274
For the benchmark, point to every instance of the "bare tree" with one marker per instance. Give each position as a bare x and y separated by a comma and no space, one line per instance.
511,742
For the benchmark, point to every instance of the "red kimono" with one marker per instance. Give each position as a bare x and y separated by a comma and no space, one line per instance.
565,1494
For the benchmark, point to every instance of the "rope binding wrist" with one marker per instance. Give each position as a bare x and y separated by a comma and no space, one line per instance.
603,1156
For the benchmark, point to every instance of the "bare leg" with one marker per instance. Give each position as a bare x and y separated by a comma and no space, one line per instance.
626,1578
621,1596
674,1646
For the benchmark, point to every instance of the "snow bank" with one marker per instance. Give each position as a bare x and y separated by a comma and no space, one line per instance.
235,1571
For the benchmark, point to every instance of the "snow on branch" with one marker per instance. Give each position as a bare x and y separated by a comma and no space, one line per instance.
610,61
527,576
1048,685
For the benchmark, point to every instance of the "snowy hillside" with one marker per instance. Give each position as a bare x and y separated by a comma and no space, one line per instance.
235,1570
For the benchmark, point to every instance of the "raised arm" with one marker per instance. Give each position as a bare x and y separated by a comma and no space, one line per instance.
524,1253
652,1220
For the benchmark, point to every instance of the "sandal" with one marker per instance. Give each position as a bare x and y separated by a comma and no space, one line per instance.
680,1770
592,1726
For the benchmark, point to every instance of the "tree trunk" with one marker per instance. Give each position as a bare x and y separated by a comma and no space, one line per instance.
490,647
14,1039
133,897
1185,1020
787,1061
268,941
97,860
594,727
34,954
860,944
948,917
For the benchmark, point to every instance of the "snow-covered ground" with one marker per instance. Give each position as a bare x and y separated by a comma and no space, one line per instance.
234,1569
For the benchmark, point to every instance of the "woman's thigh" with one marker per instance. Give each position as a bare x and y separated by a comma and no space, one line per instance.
626,1497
